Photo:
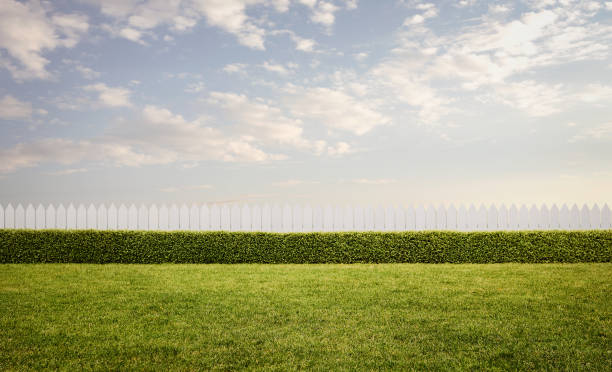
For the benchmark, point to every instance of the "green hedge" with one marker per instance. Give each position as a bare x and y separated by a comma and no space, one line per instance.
91,246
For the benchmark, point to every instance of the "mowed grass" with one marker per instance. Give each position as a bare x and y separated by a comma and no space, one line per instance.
324,317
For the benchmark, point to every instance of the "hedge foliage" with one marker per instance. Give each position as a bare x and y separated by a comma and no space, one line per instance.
94,246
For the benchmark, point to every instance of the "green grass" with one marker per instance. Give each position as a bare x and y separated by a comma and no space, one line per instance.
324,317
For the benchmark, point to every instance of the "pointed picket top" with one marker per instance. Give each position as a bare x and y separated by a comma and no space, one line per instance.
348,218
400,219
585,218
39,217
256,220
441,217
245,218
183,217
277,218
143,217
234,217
173,217
544,217
534,218
420,217
194,217
9,217
71,217
286,218
554,217
595,217
502,218
574,218
60,217
113,217
493,218
328,218
564,217
463,219
523,218
472,218
307,222
451,218
153,218
164,217
133,217
225,217
606,217
91,218
430,218
358,218
266,217
481,222
513,219
50,217
30,217
102,217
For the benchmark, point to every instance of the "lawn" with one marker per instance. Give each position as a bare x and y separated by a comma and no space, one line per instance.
325,317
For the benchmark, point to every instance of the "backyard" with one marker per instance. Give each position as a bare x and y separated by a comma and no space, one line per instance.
287,317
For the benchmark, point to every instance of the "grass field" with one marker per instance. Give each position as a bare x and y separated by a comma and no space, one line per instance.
327,317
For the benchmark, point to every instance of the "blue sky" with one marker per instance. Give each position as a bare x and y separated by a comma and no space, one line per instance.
306,101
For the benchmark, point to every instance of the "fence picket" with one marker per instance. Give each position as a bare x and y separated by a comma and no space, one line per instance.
30,217
295,218
554,217
606,217
164,218
154,218
298,217
225,217
277,218
113,217
534,218
595,217
492,218
287,218
9,217
143,217
40,220
184,217
102,217
308,221
50,217
205,218
574,218
451,218
430,218
235,218
174,219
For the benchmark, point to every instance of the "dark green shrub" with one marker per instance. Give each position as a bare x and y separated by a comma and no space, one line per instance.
91,246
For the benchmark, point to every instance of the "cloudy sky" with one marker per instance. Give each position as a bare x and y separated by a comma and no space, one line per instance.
307,101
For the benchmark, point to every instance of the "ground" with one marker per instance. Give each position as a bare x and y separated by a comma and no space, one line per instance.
326,317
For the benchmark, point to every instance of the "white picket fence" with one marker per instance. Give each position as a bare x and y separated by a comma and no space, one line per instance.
304,218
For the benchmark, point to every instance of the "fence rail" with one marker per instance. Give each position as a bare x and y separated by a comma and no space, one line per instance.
297,218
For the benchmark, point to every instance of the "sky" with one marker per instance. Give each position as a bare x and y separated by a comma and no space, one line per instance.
362,102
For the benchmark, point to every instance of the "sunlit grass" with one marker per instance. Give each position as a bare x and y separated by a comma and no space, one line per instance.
327,317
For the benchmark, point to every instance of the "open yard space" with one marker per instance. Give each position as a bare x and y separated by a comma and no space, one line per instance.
285,317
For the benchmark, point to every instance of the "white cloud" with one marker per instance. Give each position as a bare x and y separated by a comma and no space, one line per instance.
335,109
293,182
340,148
109,96
282,70
12,108
235,68
28,30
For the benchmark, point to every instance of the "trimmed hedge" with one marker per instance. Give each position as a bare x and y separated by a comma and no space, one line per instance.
94,246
